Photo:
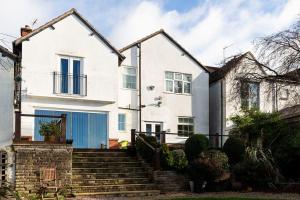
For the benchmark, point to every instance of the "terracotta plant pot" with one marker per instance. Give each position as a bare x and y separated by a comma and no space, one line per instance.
50,138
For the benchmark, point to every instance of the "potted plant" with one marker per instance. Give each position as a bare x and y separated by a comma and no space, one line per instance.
50,130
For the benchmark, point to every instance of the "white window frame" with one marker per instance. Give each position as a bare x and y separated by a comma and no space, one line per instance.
181,80
122,122
186,124
70,71
127,74
284,94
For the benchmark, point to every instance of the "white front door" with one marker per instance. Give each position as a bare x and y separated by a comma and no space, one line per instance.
153,127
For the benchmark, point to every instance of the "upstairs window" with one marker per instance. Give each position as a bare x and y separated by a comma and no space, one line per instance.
185,126
250,95
122,122
69,79
129,77
178,83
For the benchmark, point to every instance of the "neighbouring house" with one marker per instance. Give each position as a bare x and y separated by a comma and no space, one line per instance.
7,60
6,95
162,87
69,68
241,83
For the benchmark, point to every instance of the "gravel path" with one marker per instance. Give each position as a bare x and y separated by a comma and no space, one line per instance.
281,196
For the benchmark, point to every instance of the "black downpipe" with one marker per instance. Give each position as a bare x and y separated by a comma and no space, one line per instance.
222,113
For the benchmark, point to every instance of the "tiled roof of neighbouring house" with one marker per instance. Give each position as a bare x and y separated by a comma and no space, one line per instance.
6,52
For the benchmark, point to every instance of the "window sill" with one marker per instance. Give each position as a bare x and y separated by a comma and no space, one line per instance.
183,94
70,95
121,131
129,89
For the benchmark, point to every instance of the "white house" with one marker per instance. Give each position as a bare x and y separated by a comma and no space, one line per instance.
241,83
68,67
6,95
168,83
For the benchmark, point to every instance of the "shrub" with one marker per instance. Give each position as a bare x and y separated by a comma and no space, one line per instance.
210,166
165,157
175,159
234,149
287,155
178,160
143,149
194,145
255,174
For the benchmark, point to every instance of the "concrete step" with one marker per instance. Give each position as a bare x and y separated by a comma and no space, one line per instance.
94,175
99,150
107,170
135,193
105,164
102,159
109,181
100,154
113,188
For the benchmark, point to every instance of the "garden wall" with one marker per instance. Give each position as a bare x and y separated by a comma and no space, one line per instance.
31,158
170,181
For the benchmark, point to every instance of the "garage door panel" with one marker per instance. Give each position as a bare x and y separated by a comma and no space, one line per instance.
97,130
80,129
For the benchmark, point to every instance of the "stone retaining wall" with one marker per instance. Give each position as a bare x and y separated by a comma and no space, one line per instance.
31,158
170,181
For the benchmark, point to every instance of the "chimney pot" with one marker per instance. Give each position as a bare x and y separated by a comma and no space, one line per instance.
25,30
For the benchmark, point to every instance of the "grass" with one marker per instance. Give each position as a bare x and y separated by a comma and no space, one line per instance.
214,198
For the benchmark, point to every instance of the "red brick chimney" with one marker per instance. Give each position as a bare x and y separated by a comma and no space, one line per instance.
25,30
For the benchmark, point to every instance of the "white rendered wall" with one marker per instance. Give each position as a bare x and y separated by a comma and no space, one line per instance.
6,101
158,56
41,57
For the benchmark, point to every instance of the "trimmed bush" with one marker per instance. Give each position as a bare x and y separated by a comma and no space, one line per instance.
143,149
194,145
234,149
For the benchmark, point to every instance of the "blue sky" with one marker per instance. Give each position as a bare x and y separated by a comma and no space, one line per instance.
204,27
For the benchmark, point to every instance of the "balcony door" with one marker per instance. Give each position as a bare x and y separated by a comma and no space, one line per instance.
71,70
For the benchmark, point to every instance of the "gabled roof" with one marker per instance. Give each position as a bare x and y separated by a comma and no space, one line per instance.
222,71
6,52
73,11
212,69
161,31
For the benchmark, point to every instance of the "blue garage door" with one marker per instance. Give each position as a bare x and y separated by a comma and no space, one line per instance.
88,130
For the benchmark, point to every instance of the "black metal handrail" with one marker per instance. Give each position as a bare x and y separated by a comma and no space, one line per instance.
69,84
161,137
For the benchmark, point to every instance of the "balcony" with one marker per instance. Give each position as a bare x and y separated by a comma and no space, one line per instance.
69,84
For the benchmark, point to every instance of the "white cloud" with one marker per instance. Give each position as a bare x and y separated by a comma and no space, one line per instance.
208,28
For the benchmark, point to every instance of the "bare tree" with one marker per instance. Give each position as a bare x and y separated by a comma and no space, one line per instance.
279,53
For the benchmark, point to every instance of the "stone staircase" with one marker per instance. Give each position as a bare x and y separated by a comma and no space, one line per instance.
109,173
